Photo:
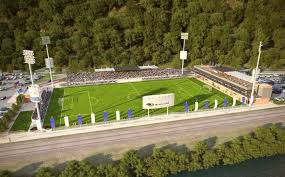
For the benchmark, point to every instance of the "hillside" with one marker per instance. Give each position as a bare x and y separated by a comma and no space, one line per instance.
94,33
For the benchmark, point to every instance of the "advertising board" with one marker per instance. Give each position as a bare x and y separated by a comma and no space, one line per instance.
158,101
34,91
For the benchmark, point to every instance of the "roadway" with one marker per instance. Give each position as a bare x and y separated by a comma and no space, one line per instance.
67,146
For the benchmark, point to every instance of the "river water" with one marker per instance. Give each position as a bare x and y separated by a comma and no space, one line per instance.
265,167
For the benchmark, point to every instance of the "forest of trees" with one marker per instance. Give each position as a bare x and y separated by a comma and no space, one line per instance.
263,142
94,33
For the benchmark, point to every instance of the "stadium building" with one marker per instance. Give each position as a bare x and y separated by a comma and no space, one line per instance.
233,83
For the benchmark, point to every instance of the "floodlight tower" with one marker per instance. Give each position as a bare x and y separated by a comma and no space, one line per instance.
48,60
183,53
30,59
255,74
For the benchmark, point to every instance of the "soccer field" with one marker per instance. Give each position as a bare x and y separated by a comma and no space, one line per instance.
84,100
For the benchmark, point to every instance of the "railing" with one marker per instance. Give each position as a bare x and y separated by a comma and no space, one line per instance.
146,118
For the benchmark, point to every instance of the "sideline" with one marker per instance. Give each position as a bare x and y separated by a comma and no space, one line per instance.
25,136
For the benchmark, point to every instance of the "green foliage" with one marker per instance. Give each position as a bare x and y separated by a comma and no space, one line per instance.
20,99
264,141
5,173
78,169
90,33
107,170
7,117
165,162
131,164
44,172
22,122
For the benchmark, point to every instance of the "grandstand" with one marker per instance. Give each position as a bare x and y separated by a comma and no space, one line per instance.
219,78
232,83
116,74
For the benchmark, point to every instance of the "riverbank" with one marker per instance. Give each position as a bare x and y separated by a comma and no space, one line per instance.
263,167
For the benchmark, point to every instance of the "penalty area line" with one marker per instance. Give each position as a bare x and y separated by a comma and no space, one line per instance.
62,103
90,104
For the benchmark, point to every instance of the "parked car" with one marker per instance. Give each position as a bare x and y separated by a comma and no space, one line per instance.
3,88
3,98
4,109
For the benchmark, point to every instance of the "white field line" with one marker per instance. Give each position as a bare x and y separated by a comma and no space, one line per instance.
209,92
197,85
135,89
62,103
72,104
185,91
90,104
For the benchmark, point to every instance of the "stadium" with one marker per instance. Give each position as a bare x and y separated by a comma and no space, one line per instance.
122,89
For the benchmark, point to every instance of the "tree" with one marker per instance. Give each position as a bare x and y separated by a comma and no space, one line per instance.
107,170
219,31
210,159
78,169
197,156
132,164
5,173
44,172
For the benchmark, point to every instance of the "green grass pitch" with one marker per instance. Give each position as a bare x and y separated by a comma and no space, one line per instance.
83,100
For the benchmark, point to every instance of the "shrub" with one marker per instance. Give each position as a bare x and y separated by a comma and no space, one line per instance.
5,173
44,172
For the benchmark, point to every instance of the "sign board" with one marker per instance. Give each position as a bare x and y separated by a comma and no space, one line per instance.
118,117
34,91
216,104
52,123
183,55
79,117
243,100
105,115
158,101
225,102
45,40
234,102
49,63
93,118
184,36
186,107
196,106
129,113
206,104
29,57
66,121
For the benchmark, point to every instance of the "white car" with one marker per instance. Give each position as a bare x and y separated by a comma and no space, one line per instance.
4,109
2,88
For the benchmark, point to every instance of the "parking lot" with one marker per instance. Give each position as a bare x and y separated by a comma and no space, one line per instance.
8,92
278,86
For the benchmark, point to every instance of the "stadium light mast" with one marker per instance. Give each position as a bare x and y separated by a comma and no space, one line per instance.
30,59
255,74
48,60
183,53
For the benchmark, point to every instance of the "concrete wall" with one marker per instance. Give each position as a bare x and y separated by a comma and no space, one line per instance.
222,88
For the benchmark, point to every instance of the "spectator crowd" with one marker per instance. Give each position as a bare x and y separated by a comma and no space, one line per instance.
112,76
43,106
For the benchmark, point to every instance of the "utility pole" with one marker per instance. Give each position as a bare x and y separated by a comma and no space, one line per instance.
48,60
34,89
183,53
255,74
